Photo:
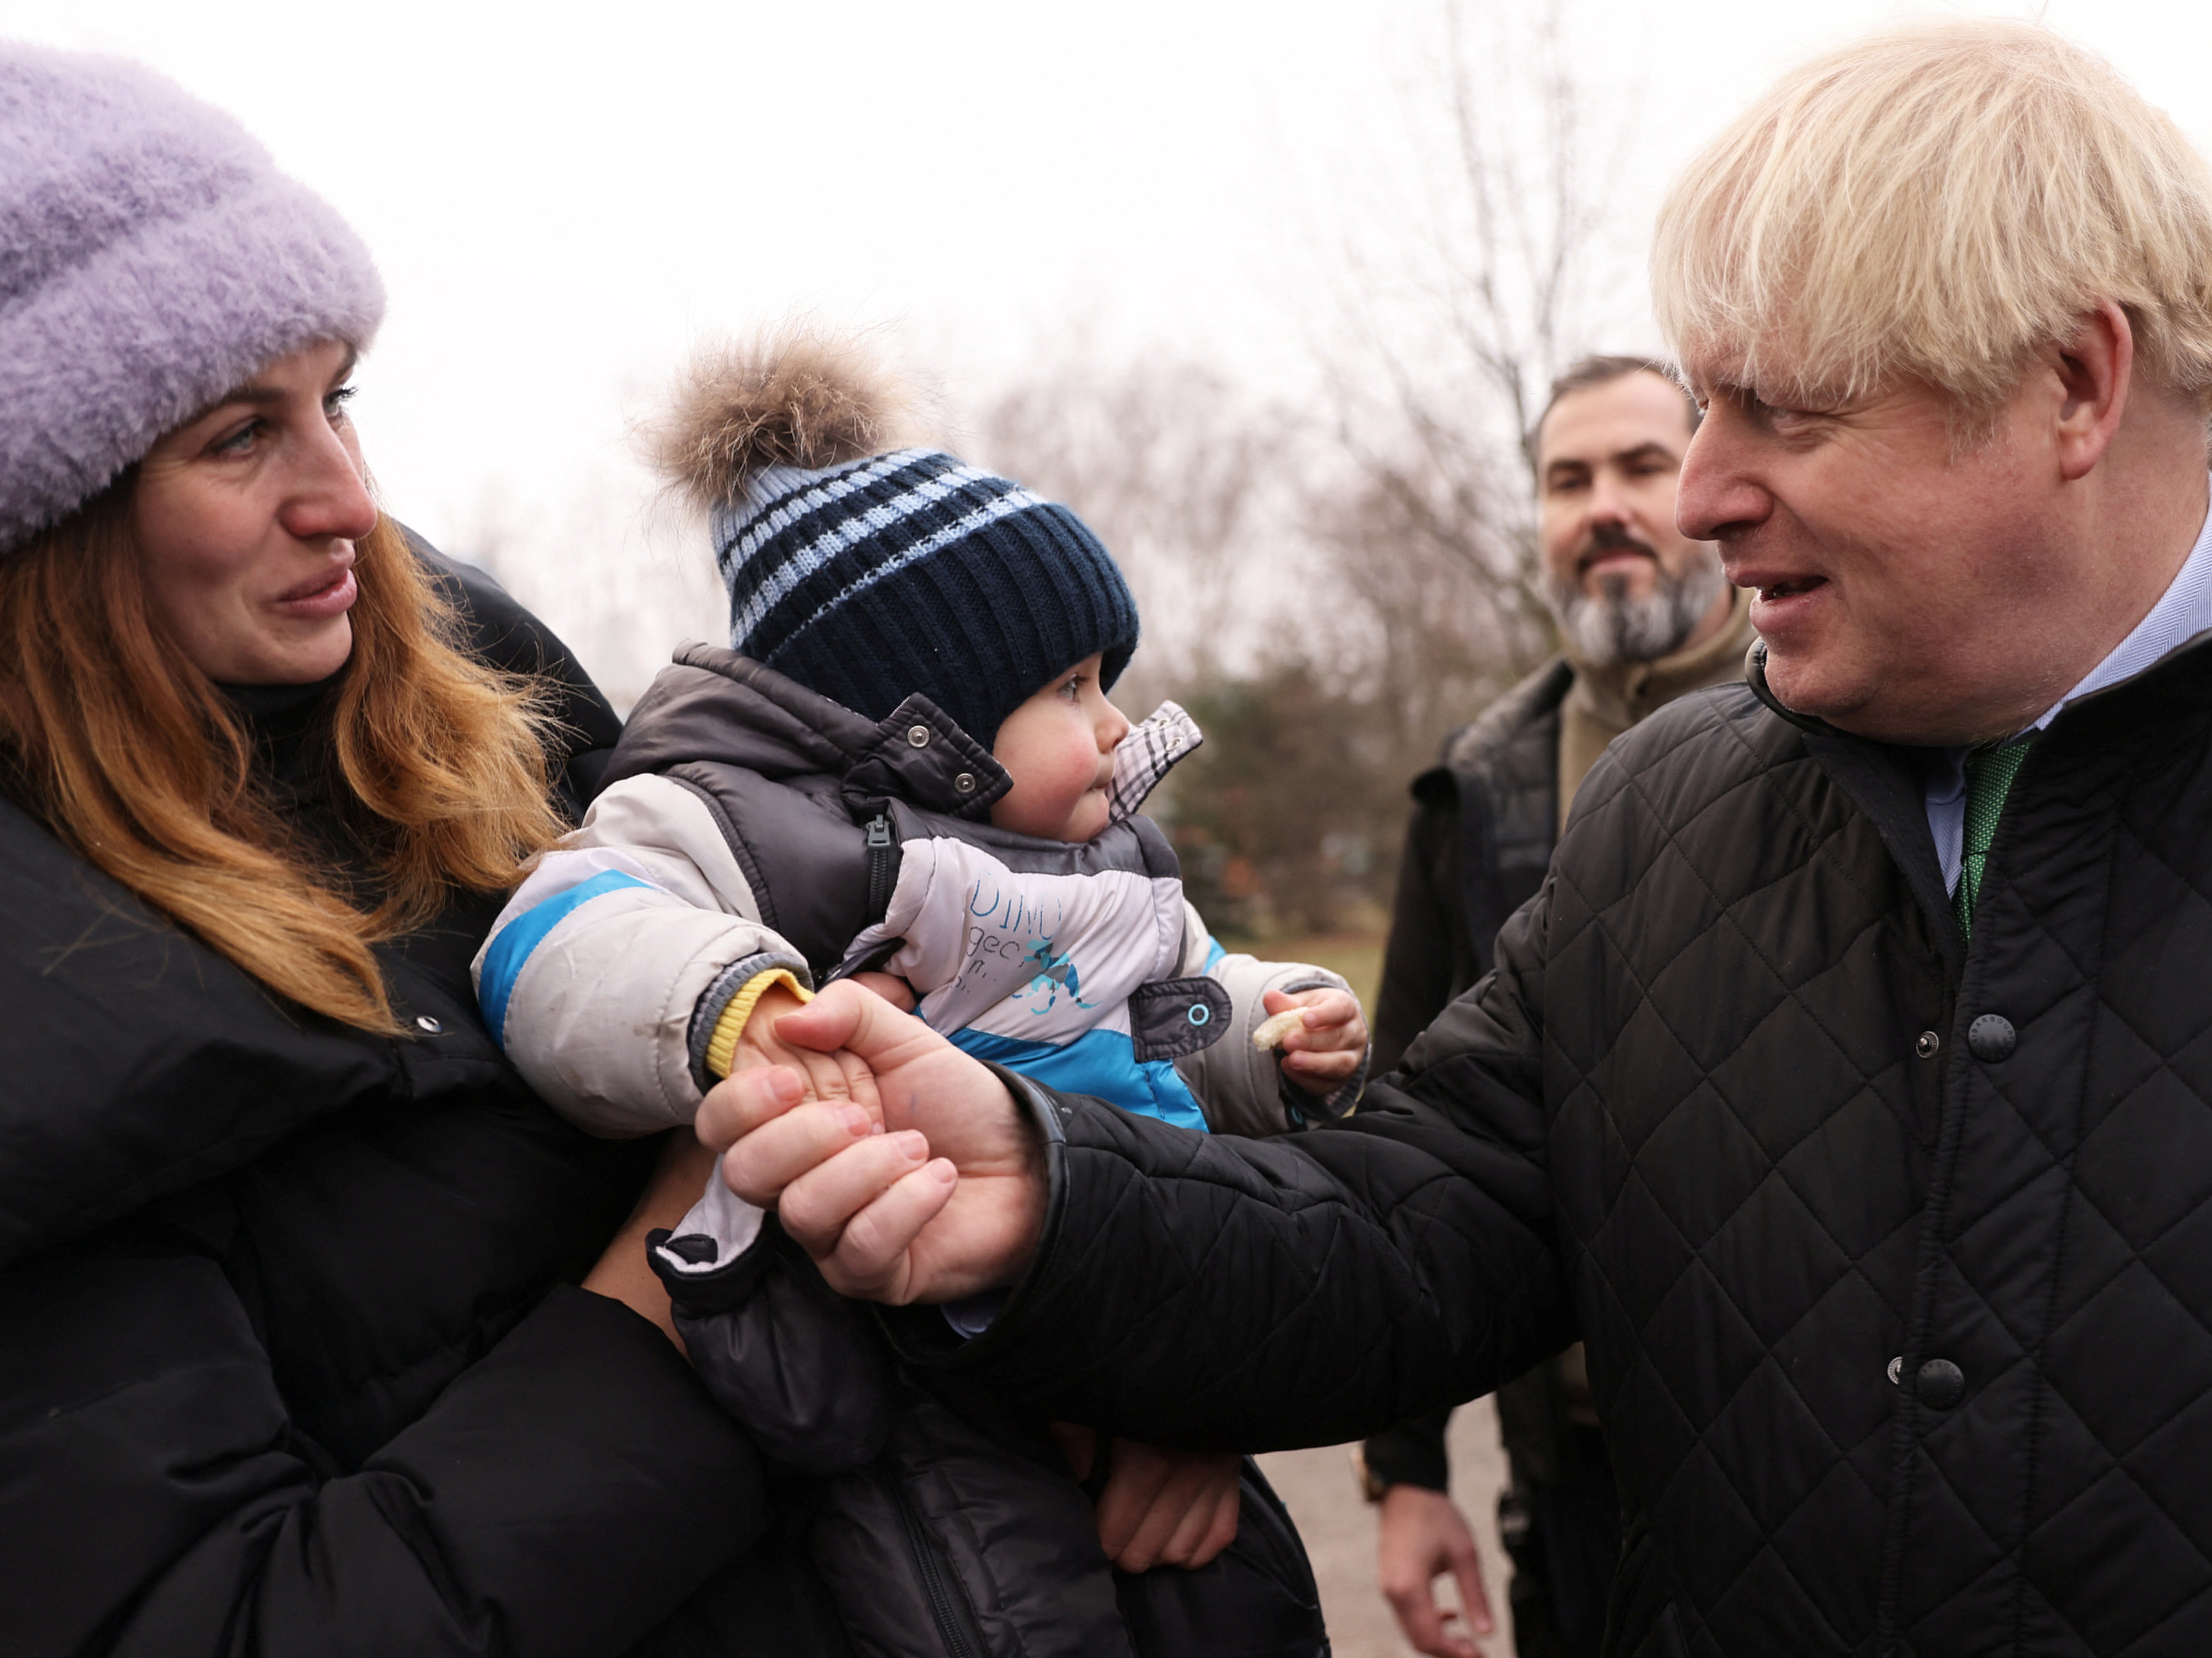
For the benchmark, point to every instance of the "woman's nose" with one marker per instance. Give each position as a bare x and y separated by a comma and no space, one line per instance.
330,495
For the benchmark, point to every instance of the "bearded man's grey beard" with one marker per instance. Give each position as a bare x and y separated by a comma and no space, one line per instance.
1609,627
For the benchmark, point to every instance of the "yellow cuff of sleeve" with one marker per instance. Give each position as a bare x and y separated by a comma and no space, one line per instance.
722,1046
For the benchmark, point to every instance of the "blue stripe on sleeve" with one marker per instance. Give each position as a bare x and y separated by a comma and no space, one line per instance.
1214,952
1101,1063
504,961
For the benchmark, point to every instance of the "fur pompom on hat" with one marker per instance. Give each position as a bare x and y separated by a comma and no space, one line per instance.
869,572
151,258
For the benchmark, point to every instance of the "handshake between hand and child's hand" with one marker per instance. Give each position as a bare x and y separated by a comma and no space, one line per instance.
899,1162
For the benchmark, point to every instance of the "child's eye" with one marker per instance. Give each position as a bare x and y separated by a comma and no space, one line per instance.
1073,690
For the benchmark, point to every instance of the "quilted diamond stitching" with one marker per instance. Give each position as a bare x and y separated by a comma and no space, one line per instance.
1822,839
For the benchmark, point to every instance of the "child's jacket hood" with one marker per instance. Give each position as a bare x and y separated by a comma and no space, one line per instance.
713,705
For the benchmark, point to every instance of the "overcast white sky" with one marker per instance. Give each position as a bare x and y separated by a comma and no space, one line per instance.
563,198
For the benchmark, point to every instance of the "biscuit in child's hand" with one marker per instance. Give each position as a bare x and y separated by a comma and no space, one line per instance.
1270,1034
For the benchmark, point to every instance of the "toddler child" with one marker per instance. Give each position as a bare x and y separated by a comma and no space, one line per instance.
907,771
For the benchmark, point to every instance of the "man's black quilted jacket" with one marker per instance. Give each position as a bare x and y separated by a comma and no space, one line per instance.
1719,1112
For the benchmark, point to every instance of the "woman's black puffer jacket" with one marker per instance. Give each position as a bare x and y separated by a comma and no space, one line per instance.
291,1361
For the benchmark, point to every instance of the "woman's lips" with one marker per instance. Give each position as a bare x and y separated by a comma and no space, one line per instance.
329,594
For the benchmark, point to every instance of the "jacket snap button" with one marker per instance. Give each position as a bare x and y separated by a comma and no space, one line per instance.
1896,1371
1201,1013
1991,1038
918,735
427,1025
965,782
1941,1384
1927,1044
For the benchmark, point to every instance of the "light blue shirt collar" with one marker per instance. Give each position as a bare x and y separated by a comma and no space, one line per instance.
2183,611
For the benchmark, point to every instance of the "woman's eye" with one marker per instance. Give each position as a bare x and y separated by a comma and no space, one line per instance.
334,405
238,442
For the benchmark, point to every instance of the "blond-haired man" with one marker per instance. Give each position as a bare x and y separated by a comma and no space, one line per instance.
1848,1086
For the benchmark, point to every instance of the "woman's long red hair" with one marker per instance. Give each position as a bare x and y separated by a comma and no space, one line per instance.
138,763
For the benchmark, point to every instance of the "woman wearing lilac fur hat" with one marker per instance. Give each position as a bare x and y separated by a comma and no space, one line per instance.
318,1333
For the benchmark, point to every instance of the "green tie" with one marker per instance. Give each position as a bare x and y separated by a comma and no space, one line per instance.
1990,773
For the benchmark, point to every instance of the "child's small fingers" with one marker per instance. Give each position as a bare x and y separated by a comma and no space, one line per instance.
825,1076
1147,1545
893,989
1191,1531
860,1082
1326,1039
1135,1477
1223,1530
1330,1007
1321,1067
1192,1543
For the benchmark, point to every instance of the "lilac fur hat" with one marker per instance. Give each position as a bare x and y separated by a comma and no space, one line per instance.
151,258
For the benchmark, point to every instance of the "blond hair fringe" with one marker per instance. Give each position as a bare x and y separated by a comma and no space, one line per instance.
1935,204
138,763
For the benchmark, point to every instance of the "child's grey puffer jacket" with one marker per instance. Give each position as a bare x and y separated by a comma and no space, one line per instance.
750,824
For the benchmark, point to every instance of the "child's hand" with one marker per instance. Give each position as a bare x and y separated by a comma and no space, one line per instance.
839,1076
889,985
1166,1508
1322,1058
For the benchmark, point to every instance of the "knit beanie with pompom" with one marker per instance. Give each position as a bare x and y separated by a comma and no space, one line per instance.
151,258
868,572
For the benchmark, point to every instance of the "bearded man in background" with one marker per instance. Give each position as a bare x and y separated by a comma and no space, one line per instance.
1645,615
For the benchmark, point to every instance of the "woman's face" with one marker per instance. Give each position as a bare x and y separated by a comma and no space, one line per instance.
247,517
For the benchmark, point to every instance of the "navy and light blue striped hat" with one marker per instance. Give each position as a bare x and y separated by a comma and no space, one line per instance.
912,571
869,572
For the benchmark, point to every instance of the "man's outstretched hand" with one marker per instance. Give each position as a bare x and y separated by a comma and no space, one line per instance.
928,1186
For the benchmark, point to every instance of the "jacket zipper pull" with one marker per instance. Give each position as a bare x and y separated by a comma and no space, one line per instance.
882,865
